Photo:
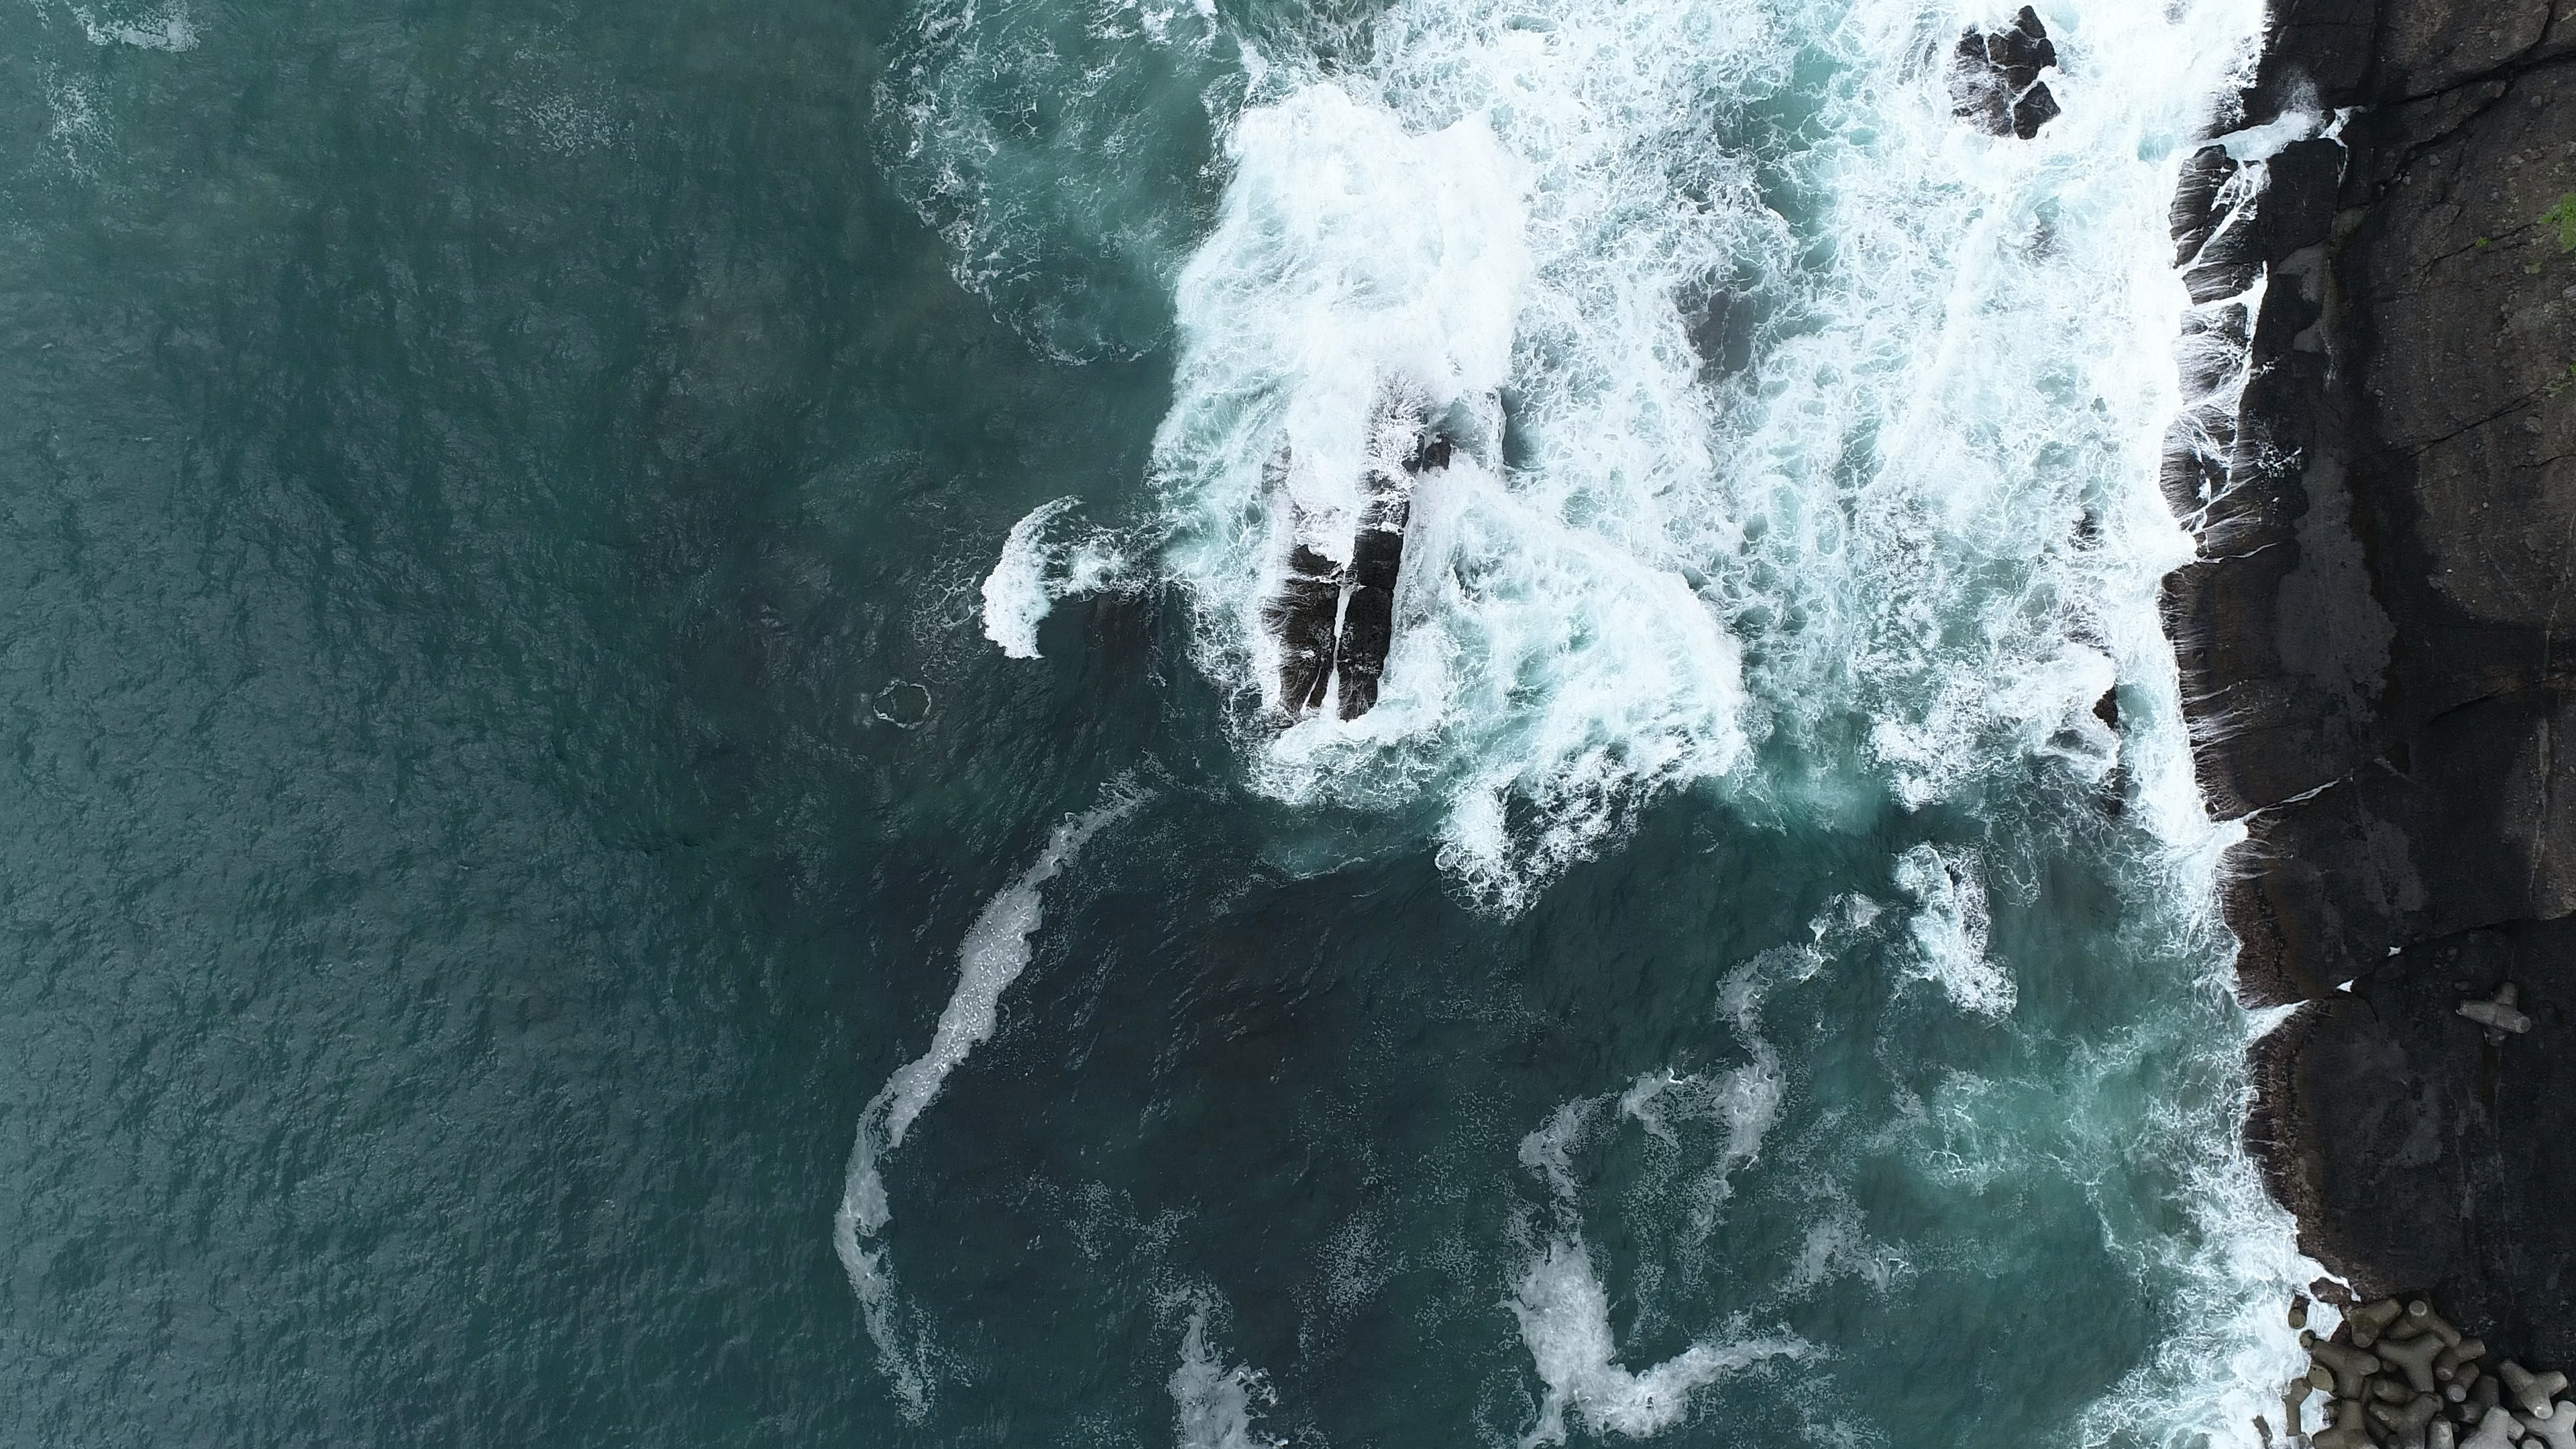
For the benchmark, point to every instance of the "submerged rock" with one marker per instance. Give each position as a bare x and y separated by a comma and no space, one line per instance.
1994,78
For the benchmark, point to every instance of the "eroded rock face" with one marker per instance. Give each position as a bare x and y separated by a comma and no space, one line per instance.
2381,635
1334,624
1994,78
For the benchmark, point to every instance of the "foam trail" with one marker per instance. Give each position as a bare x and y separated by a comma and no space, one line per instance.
1564,1316
1034,574
1016,600
1560,1303
1214,1405
992,956
168,30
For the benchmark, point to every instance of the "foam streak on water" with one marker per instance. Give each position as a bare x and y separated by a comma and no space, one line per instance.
992,956
1037,571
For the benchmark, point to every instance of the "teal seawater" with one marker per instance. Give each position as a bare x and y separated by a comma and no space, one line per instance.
501,755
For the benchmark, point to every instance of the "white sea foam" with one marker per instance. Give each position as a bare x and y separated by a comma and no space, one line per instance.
1560,1303
1214,1404
1455,221
1745,1103
1564,1316
1950,927
159,30
1036,572
992,956
1016,598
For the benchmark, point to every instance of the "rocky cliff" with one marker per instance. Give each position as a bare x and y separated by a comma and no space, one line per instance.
2380,639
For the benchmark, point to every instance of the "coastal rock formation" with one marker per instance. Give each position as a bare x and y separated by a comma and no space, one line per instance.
1303,615
1335,624
1994,78
2379,640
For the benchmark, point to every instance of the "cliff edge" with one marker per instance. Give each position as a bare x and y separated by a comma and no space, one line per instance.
2379,641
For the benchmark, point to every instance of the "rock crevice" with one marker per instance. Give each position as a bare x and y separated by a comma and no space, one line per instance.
2376,641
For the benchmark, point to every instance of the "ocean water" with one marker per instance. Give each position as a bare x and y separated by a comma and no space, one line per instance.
643,803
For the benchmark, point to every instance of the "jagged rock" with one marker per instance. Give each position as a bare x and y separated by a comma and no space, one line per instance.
1994,78
1302,615
1335,625
2381,625
2196,212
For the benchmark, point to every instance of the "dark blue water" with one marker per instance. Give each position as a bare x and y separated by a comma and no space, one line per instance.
503,755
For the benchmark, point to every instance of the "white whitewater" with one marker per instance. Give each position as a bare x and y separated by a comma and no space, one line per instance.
1036,572
992,956
1560,1302
1476,227
1926,501
1214,1404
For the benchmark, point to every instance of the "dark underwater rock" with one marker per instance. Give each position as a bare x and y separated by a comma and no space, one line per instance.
1994,78
2379,640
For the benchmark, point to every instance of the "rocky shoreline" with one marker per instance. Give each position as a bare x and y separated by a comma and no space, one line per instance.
2378,641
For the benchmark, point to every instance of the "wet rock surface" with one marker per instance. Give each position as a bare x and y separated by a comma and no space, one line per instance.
1994,78
2380,637
1335,624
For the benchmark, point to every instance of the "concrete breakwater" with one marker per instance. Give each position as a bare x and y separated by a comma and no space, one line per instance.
2379,457
2399,1375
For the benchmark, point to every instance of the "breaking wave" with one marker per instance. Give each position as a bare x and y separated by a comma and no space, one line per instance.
1035,573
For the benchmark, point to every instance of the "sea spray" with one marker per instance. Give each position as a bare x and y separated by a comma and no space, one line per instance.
1550,673
1036,572
1950,928
993,954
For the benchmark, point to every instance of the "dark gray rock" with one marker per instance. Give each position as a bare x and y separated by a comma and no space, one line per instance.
1336,625
1994,78
2380,638
1302,618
